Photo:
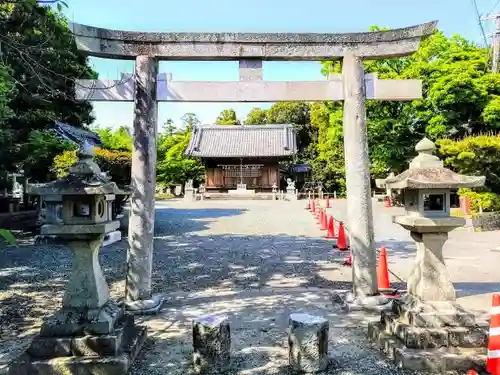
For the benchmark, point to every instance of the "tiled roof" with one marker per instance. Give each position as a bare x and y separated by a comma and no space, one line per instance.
226,141
76,135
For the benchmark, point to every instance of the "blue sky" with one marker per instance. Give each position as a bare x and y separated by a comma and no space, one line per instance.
454,16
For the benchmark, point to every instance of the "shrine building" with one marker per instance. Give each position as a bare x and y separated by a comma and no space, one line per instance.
238,155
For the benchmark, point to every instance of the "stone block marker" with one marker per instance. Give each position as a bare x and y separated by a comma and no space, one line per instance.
211,344
308,343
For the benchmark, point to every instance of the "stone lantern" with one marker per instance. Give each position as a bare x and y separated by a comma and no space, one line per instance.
202,190
90,333
274,190
428,330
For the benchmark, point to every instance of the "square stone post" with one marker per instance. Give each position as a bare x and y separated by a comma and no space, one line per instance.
142,201
359,206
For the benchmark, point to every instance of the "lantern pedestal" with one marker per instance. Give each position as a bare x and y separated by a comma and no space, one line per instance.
90,334
435,337
107,354
427,330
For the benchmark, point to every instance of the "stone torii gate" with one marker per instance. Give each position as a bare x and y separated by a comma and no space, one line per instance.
146,88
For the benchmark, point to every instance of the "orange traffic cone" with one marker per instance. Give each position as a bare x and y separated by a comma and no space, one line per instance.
327,203
382,271
341,242
313,207
331,228
493,361
324,221
308,206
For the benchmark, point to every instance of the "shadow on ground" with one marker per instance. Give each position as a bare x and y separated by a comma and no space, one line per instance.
256,280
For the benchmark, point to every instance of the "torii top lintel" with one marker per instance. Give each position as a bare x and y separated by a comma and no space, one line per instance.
119,44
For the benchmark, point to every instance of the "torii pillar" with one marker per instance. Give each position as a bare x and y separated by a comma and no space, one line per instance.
353,87
138,296
357,170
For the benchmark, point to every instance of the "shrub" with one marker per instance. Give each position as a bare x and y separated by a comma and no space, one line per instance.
481,201
116,163
475,155
163,196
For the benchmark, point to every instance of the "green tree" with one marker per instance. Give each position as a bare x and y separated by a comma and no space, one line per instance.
118,139
189,120
227,117
169,127
116,163
40,66
40,149
173,166
327,154
298,115
459,98
257,116
475,155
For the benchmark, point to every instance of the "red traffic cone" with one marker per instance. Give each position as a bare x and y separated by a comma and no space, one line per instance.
387,201
476,372
493,361
327,203
382,271
324,221
348,261
313,207
308,206
341,242
319,219
331,228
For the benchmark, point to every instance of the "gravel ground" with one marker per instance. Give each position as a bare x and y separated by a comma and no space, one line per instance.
256,261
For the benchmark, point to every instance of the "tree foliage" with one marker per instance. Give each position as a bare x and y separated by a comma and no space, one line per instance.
173,167
257,116
38,68
460,98
474,155
116,163
227,117
119,139
327,153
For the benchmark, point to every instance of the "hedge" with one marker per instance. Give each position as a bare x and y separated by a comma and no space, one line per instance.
116,163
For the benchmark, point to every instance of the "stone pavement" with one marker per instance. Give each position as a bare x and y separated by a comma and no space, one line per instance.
256,261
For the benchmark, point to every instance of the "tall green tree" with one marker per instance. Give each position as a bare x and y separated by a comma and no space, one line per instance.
115,139
298,115
460,97
40,64
327,154
189,120
168,127
257,116
227,117
173,167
